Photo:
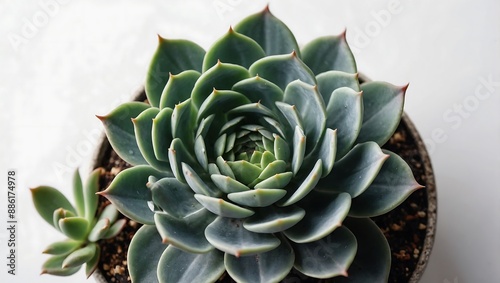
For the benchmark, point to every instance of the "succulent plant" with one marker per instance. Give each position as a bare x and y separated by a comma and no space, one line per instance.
256,157
79,223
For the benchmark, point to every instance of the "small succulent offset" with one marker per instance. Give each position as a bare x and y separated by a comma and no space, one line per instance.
81,225
256,157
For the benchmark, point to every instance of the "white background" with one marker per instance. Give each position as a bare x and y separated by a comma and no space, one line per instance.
62,64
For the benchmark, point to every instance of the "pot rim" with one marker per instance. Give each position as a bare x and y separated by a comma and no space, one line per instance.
431,201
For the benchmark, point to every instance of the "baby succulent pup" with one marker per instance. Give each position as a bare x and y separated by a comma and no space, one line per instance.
79,223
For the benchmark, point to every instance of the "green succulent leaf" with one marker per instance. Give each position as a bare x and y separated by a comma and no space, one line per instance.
260,90
109,212
267,144
183,122
62,247
185,233
143,126
269,32
281,150
120,131
345,113
383,106
99,230
53,266
115,229
171,57
250,110
327,151
176,265
47,200
80,256
129,193
290,115
144,253
229,235
393,184
200,150
272,266
78,193
224,168
229,126
58,215
197,184
277,181
325,212
328,257
174,197
273,220
227,184
311,109
244,171
161,134
75,227
222,76
221,99
234,48
329,53
306,186
282,70
299,149
329,81
178,88
373,259
257,197
204,126
178,154
220,145
223,208
90,197
356,170
256,158
273,168
91,265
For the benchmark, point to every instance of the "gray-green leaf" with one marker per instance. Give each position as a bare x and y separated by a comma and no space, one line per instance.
373,259
272,266
144,252
325,212
383,106
185,233
283,69
329,53
229,235
171,57
393,184
269,32
120,131
47,200
345,113
234,48
328,257
355,171
183,267
129,193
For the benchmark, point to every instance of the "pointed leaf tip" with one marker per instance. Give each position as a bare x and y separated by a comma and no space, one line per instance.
404,88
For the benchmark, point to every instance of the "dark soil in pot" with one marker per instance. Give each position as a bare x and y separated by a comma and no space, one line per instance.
409,228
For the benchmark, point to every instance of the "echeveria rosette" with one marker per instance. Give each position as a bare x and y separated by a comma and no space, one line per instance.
79,223
254,151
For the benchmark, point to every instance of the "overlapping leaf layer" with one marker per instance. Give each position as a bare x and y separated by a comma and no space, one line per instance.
253,151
